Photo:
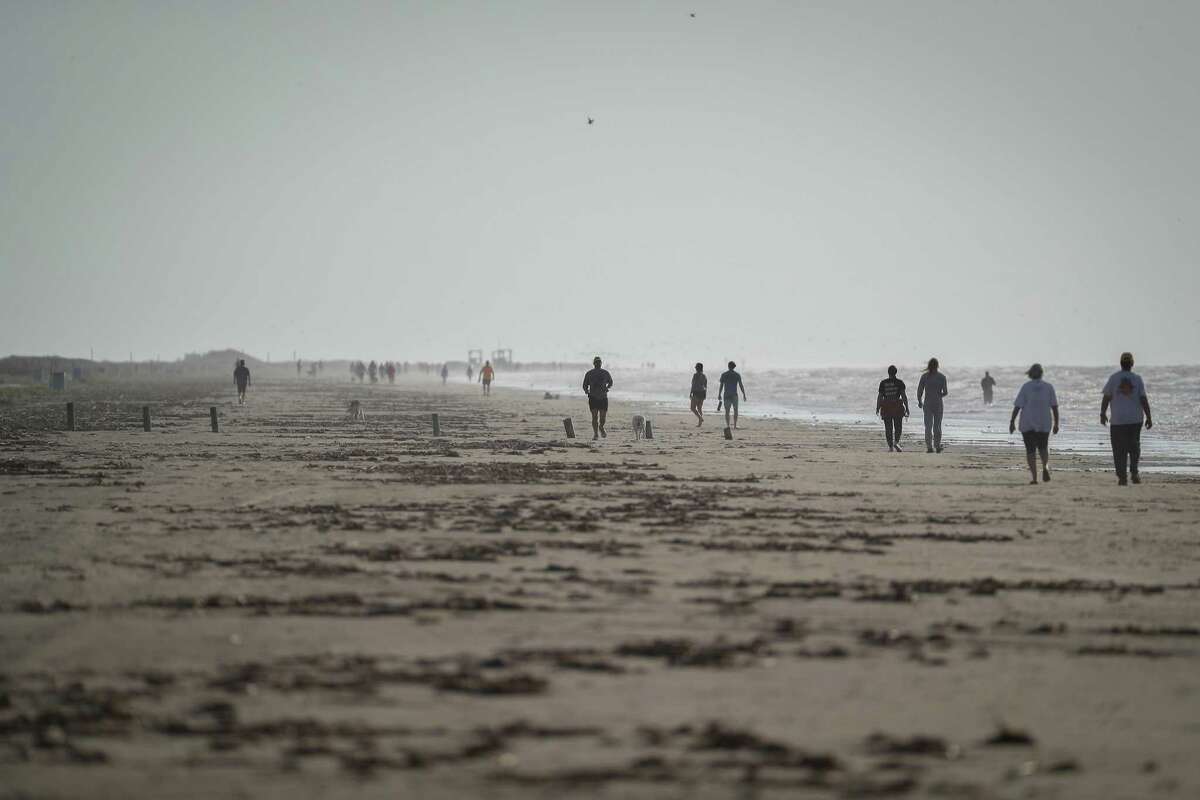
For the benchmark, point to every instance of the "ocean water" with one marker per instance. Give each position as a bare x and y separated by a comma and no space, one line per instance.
846,396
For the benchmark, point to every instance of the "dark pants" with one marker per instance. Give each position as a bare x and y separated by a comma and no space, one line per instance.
892,427
1126,444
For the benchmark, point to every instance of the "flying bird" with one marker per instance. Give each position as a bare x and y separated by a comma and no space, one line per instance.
693,15
590,120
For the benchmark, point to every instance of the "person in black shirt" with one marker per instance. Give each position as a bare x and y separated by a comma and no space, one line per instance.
699,392
596,384
241,377
892,405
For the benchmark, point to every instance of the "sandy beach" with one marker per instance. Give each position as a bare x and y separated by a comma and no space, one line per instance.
304,606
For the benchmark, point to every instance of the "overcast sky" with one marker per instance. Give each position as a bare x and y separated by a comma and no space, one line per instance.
785,183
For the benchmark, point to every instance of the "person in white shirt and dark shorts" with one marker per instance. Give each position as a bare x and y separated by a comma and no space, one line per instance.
1037,406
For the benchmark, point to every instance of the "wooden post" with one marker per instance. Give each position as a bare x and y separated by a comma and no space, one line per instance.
649,430
212,414
728,434
437,429
568,427
146,418
70,416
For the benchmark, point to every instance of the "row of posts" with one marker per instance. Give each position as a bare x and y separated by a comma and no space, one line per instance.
212,416
568,426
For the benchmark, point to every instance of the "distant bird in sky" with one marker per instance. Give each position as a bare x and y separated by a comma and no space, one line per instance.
693,15
590,120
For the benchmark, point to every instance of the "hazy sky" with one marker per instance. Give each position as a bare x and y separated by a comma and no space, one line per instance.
785,183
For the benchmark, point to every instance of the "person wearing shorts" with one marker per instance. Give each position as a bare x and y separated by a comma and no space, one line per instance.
891,404
1037,405
486,373
731,381
596,384
699,392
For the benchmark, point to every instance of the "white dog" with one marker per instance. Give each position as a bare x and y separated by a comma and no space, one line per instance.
639,426
356,412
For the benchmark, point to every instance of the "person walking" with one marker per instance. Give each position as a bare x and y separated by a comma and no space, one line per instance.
470,374
596,384
486,373
445,373
930,391
699,392
988,384
241,379
731,382
1125,393
1037,404
891,404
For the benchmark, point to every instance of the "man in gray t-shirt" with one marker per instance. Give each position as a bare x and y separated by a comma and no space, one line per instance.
930,392
1125,393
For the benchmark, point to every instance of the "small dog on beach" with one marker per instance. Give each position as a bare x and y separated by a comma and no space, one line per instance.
639,426
356,412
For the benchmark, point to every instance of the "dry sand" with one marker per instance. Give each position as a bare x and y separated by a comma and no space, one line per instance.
304,606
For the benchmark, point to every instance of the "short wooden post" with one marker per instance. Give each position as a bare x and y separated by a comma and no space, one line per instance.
212,415
70,416
649,430
146,418
728,434
569,427
437,428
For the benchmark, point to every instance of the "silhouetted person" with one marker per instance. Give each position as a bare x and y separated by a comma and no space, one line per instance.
731,382
596,384
297,368
391,373
891,404
1037,404
987,384
470,374
930,392
1126,394
486,373
445,373
699,392
360,369
241,379
373,371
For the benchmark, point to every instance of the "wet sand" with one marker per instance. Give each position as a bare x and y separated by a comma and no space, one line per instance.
306,606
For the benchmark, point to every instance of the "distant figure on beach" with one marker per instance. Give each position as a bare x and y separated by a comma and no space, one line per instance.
445,373
486,373
391,372
297,368
470,374
930,392
360,369
1126,394
596,384
241,379
699,392
891,404
373,371
988,383
1036,403
731,382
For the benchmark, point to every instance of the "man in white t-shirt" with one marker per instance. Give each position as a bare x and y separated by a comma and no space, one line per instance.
1126,394
1038,407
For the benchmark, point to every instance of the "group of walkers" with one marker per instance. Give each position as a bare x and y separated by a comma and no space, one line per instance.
1124,406
1036,408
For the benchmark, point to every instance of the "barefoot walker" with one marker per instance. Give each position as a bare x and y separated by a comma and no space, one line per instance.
1036,403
